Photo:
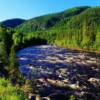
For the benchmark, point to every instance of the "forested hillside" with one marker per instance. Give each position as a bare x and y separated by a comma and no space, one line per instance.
48,21
74,28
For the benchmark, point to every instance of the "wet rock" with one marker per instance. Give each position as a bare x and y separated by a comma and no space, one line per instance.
94,81
38,97
66,81
46,98
75,86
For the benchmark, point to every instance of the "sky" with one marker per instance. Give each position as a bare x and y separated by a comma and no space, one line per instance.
27,9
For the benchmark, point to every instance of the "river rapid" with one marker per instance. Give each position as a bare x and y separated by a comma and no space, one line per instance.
61,67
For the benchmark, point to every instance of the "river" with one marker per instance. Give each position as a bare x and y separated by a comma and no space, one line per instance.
47,60
61,67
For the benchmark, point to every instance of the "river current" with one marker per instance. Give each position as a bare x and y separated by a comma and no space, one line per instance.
52,61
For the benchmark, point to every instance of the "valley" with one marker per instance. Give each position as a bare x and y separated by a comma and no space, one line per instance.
51,57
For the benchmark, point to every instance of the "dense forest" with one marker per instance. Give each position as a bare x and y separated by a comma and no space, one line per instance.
74,28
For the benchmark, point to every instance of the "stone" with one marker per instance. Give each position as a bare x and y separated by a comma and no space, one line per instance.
94,81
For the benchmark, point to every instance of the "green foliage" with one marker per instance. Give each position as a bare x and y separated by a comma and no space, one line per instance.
10,92
3,53
17,37
14,73
7,54
12,58
5,43
3,46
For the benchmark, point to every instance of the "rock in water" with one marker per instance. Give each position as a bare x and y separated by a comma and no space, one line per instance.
94,81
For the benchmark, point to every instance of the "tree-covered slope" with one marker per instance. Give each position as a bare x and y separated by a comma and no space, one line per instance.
74,28
82,30
48,21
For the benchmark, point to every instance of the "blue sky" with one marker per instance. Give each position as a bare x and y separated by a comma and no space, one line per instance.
31,8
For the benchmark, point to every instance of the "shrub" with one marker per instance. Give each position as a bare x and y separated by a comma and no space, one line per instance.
10,92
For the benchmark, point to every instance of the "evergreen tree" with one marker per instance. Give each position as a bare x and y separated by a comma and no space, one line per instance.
3,45
14,73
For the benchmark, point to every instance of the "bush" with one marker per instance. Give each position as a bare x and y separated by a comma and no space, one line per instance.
10,92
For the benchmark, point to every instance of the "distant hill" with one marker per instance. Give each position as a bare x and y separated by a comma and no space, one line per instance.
12,22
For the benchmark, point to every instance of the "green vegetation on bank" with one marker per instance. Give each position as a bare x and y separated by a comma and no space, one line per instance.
9,91
10,77
13,85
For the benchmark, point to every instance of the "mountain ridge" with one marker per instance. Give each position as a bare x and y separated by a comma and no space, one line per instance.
46,21
12,23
